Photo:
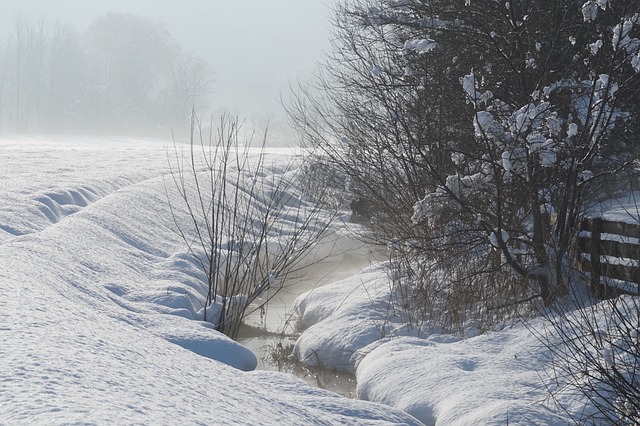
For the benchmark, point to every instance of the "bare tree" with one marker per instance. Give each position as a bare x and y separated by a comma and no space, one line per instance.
63,99
5,60
20,23
188,84
125,72
127,55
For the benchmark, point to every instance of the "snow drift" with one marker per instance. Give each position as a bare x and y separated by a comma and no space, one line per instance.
98,302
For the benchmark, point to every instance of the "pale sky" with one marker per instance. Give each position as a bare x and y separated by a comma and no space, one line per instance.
256,47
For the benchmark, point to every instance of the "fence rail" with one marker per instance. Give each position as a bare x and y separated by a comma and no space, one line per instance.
615,255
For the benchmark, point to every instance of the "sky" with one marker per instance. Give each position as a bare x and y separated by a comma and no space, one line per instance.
257,47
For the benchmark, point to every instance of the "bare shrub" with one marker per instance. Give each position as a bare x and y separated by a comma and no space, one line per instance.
325,183
463,294
248,226
594,352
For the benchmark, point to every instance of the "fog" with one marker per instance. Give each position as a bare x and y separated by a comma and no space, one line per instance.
135,66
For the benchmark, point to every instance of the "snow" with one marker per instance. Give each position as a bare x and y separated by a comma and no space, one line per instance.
423,45
595,46
590,11
504,238
489,379
500,377
100,303
101,306
506,161
336,322
483,121
624,209
469,86
494,378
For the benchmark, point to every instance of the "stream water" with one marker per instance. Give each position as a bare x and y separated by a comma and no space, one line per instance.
271,334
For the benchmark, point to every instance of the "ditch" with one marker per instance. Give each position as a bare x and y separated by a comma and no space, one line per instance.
272,333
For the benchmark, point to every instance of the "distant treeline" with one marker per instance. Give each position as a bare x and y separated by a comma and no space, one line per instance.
123,75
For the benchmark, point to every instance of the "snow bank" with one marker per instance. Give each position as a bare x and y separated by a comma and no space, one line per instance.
62,177
492,379
495,378
99,304
343,317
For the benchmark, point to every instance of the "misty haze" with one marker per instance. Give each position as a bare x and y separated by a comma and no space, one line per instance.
138,68
320,212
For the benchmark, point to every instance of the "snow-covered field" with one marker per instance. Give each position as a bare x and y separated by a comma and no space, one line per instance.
98,301
100,304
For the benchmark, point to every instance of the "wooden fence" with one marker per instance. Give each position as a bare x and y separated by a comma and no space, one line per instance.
616,254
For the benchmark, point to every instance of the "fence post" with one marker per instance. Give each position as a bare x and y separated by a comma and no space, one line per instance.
596,270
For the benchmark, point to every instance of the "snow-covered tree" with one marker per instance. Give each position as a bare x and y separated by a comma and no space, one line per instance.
501,114
552,98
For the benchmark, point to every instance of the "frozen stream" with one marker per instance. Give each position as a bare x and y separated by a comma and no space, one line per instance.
271,334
